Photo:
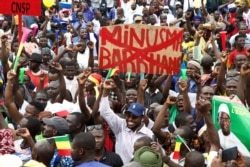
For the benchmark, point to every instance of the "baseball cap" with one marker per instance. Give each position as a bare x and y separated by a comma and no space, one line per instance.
137,109
36,57
59,123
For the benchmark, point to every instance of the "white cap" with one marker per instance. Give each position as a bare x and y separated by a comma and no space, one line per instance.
223,108
178,3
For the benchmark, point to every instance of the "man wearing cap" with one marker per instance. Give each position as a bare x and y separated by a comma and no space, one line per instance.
227,138
57,126
34,72
127,130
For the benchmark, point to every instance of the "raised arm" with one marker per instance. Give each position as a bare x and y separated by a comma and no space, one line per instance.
162,136
222,73
183,87
189,25
242,88
167,86
90,45
113,120
141,91
204,106
82,78
11,106
159,81
62,87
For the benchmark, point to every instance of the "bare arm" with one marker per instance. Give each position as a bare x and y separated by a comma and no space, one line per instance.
159,81
189,25
162,136
183,87
82,78
221,75
242,86
167,86
204,106
141,91
91,54
12,109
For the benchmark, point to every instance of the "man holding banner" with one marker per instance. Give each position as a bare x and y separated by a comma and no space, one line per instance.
227,138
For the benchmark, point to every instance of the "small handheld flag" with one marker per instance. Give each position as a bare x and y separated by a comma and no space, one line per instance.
63,145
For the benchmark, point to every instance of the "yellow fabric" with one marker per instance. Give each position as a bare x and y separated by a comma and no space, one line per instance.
177,146
63,145
33,163
187,46
197,3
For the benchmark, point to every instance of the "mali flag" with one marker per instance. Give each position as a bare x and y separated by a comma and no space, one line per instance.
177,148
63,145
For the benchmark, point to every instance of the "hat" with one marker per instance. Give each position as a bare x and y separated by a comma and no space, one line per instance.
137,109
165,7
95,78
197,18
147,157
59,123
223,108
195,63
36,57
232,5
178,3
138,18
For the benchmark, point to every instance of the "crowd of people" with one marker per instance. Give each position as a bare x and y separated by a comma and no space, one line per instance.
57,87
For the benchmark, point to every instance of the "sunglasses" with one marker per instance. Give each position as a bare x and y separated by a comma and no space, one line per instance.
92,127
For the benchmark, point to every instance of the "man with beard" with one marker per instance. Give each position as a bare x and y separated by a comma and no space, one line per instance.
227,138
101,153
125,130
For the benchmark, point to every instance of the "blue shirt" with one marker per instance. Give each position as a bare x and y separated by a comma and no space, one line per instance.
61,161
92,164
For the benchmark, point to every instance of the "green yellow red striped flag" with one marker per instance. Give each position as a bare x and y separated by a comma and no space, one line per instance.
63,145
112,71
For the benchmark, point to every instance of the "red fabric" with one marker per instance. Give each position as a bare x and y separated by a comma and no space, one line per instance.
233,54
6,142
35,79
109,143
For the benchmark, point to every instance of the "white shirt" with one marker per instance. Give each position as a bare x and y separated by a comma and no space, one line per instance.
68,37
247,40
22,110
97,26
125,137
231,141
71,85
94,40
83,59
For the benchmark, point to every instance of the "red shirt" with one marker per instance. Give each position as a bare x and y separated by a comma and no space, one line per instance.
35,77
233,54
